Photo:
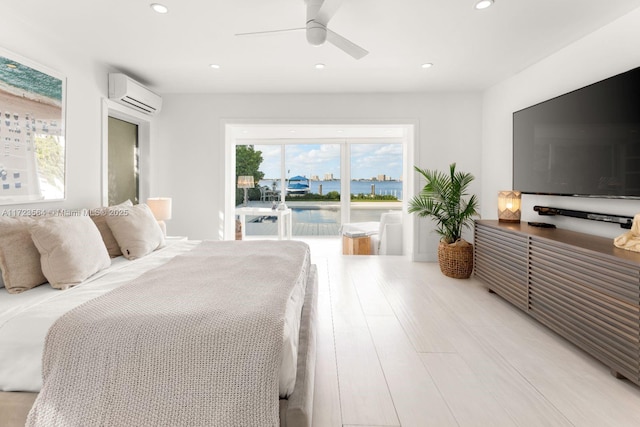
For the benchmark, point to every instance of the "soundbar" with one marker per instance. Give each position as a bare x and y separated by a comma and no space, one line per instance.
623,221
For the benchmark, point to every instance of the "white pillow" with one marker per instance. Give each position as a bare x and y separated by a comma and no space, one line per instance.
71,249
19,258
99,217
136,230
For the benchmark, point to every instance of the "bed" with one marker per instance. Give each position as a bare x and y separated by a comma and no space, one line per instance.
26,321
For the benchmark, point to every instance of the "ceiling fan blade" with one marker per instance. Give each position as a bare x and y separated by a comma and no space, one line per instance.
327,10
347,46
262,33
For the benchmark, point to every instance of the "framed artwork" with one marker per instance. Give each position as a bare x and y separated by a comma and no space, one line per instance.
32,132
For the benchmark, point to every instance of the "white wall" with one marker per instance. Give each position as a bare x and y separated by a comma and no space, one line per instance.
611,50
86,84
189,158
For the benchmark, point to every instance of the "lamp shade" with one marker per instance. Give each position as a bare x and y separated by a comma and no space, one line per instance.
509,206
245,181
160,207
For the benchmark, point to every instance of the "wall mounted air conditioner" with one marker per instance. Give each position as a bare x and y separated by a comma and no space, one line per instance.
129,92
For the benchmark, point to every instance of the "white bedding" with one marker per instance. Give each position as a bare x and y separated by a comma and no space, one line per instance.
25,319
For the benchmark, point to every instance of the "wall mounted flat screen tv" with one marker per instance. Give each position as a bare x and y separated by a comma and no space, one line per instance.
583,143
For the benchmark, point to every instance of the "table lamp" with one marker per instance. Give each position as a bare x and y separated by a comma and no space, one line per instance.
161,209
245,182
509,206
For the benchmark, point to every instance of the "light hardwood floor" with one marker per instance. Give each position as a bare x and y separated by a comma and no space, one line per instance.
400,344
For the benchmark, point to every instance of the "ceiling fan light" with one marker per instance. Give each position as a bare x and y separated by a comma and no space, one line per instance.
160,8
483,4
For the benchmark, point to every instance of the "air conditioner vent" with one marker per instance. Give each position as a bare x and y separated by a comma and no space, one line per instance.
129,92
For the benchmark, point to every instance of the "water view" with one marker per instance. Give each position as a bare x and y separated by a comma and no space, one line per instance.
383,188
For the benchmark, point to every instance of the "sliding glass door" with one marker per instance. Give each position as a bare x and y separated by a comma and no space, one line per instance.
313,188
325,183
376,183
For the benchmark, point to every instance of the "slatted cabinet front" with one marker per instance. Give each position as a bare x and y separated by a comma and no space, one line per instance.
574,283
500,258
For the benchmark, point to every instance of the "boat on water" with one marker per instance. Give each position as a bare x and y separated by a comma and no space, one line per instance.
298,185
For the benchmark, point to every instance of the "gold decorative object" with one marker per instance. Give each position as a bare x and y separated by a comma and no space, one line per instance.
631,239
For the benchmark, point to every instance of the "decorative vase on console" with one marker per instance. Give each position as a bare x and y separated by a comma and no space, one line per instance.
630,240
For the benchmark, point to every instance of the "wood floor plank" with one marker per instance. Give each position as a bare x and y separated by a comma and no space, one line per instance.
531,349
364,395
417,399
518,398
368,425
469,399
422,318
524,403
589,403
326,397
367,279
472,303
490,363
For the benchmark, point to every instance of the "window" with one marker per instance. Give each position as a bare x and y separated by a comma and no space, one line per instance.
316,186
123,171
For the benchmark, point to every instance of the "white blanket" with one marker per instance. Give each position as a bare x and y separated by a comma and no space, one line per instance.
193,342
25,319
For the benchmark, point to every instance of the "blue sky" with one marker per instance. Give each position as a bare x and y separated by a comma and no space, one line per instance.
367,160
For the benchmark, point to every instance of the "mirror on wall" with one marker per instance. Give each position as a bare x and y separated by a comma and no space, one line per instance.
32,132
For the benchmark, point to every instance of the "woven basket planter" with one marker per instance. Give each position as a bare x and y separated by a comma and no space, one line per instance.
456,259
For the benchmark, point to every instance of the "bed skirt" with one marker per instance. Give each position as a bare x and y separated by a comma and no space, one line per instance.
296,411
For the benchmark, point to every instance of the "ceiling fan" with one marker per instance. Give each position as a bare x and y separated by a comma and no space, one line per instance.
319,13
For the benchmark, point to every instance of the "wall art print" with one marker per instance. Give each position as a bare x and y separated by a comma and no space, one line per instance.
32,132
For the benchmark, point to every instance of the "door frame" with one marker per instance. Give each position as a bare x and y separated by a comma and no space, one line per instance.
121,112
229,129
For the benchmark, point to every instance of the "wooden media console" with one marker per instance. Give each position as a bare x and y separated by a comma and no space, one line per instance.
580,286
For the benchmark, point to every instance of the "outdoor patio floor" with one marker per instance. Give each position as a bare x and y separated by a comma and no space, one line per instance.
268,226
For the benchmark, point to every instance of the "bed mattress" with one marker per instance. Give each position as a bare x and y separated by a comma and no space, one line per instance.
26,318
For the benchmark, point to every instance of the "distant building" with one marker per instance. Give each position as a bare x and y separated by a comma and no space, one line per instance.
328,177
315,178
382,177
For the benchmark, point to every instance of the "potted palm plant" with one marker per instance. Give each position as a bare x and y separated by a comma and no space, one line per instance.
443,200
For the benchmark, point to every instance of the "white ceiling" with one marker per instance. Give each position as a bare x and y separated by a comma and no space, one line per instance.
171,53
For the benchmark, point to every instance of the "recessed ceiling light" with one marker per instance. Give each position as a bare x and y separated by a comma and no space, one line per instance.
483,4
160,8
427,65
320,66
214,66
292,131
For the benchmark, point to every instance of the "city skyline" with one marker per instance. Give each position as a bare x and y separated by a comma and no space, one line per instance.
367,160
